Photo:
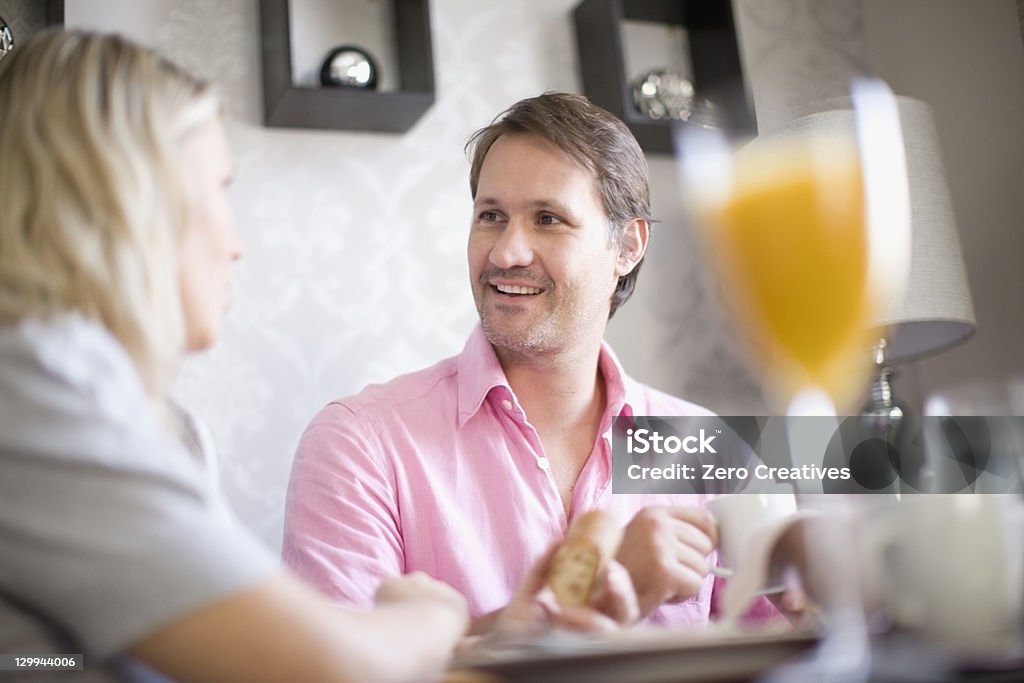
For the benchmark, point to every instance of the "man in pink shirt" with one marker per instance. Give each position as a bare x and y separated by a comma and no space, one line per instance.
470,469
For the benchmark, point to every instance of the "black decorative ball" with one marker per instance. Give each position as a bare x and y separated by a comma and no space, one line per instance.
349,67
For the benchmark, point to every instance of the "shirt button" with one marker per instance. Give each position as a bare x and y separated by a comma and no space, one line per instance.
507,404
544,463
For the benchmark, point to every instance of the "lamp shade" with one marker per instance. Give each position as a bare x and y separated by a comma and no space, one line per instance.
936,311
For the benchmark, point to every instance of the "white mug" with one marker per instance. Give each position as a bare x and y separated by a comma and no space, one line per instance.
742,519
951,568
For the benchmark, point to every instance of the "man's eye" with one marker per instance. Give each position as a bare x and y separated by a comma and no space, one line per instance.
488,216
548,219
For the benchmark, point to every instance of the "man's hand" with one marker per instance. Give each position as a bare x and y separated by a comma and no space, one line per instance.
665,550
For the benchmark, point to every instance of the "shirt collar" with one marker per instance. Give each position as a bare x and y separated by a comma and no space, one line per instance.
621,391
480,373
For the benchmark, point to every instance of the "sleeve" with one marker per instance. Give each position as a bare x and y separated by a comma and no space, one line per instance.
342,528
113,534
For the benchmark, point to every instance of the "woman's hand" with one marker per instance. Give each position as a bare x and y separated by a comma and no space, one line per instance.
533,609
419,587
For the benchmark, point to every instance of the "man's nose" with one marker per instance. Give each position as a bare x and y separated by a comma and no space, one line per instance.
513,247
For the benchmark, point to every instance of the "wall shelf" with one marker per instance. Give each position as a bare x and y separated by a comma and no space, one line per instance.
714,55
292,106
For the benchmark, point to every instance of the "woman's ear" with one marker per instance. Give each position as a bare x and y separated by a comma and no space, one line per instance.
632,245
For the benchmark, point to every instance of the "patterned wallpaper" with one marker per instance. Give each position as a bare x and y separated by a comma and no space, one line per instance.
354,269
798,52
22,16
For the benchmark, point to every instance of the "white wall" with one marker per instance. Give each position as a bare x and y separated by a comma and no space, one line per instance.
354,270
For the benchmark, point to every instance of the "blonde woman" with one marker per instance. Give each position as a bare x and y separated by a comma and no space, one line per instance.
116,251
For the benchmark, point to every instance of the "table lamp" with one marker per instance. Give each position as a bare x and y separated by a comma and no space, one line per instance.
936,311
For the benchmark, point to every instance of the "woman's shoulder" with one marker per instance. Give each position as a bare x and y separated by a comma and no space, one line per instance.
68,347
67,381
67,354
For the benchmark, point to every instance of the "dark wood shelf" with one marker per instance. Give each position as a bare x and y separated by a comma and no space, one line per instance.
55,12
292,106
714,54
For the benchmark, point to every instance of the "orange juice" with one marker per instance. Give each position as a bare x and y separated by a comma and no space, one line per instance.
790,242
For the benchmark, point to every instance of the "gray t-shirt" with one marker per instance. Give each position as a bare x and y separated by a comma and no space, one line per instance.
110,527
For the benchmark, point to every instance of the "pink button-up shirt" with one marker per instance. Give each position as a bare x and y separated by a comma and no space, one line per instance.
440,471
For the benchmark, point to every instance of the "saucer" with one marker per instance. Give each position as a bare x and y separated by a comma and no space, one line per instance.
726,573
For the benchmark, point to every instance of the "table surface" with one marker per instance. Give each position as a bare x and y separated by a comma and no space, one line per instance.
689,657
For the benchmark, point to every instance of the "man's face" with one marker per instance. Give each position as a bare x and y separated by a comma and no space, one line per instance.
540,262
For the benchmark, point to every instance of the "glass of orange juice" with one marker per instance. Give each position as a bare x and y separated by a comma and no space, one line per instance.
808,232
807,229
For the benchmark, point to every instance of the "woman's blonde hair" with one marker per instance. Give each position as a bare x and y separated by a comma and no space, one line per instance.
93,189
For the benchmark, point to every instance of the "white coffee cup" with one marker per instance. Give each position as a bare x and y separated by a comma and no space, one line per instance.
743,519
952,569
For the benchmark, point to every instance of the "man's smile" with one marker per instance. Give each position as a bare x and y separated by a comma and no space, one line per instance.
517,290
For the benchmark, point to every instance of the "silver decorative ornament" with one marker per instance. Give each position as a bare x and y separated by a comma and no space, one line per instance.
349,67
6,38
664,94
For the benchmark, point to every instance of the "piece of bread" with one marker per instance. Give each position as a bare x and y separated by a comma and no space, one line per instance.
592,540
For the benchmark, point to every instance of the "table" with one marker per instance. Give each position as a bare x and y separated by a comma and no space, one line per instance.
786,658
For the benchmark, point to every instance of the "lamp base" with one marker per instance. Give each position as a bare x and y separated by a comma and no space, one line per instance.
881,406
882,416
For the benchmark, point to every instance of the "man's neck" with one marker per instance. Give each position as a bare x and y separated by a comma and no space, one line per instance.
564,397
559,393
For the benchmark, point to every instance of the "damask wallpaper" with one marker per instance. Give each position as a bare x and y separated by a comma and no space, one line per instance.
354,269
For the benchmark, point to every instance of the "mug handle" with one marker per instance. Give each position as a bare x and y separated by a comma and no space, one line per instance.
748,581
